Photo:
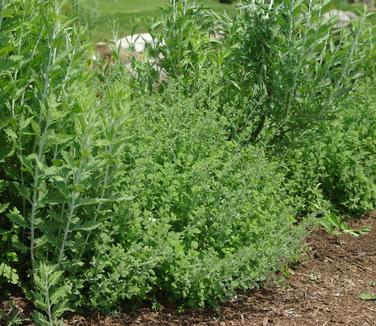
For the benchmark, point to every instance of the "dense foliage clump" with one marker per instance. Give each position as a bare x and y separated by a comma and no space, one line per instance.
208,215
333,166
115,186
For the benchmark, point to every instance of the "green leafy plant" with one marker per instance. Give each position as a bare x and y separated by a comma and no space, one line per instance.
368,296
333,223
293,68
206,213
331,168
50,295
8,273
61,145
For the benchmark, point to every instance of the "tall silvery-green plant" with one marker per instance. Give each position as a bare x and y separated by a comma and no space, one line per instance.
276,67
40,79
60,141
50,295
183,42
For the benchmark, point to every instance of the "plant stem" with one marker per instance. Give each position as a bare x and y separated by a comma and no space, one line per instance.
74,196
41,144
72,208
47,286
105,184
2,5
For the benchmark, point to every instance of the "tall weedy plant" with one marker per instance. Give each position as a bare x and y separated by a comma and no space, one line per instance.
185,41
59,161
288,68
276,67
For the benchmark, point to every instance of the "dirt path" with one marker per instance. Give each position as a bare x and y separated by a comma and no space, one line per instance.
323,290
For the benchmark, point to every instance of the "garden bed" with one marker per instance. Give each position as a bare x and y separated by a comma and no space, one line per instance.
324,289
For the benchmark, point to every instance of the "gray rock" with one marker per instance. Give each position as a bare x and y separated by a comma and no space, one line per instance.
342,18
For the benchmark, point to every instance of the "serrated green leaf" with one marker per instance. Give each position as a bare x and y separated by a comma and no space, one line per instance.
16,217
3,207
57,295
87,226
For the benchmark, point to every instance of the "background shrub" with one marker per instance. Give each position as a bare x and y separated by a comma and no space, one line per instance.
274,67
333,165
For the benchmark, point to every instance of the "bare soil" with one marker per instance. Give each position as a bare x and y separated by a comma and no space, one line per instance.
324,289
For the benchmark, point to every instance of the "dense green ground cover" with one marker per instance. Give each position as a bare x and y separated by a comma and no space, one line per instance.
116,187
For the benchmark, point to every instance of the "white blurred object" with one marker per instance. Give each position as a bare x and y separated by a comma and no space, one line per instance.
135,42
128,48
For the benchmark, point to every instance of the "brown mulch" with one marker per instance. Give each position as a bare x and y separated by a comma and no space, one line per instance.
322,290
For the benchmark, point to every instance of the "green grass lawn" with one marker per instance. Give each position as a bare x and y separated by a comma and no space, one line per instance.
124,15
344,5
